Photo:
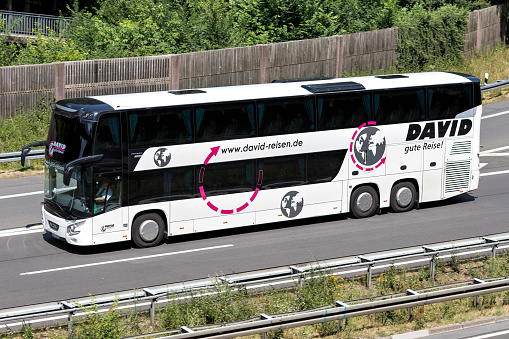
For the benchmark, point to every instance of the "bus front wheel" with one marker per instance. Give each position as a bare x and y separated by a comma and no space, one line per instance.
403,197
148,230
364,202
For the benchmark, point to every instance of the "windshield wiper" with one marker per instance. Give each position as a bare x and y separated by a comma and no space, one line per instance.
67,213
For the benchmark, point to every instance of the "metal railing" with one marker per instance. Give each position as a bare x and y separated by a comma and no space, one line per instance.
495,85
149,298
20,23
16,156
339,311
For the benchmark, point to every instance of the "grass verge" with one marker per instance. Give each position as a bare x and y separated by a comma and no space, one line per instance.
323,289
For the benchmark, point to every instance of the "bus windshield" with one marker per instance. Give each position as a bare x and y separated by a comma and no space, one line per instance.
69,138
70,201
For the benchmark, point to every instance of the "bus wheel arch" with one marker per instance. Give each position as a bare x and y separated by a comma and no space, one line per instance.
148,228
364,200
404,195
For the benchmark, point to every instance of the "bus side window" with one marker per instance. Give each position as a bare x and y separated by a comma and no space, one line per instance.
399,106
108,134
286,116
226,177
160,127
343,111
226,121
107,194
283,171
446,102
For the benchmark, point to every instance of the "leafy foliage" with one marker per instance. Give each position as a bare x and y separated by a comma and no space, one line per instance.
426,37
124,28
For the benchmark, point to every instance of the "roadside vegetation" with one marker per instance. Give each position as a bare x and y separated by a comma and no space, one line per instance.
323,289
123,28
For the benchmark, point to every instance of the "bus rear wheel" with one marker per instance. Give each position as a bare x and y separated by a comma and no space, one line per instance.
403,197
364,202
148,230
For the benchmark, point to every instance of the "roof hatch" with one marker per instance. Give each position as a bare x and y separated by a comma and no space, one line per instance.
334,87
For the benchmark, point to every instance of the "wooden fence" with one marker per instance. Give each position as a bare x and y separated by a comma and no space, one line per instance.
23,86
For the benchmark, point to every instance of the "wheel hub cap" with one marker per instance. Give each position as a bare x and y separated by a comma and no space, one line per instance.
149,230
364,202
404,196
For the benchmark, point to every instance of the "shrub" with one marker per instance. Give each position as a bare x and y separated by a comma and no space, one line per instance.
427,38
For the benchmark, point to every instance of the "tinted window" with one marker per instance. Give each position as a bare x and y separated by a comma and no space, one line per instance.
396,106
224,122
285,116
446,102
227,177
283,171
160,127
324,166
108,134
161,185
343,111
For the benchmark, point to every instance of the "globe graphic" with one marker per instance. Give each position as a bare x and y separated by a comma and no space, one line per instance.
369,146
162,157
292,204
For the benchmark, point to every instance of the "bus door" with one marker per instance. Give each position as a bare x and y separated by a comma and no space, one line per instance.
110,219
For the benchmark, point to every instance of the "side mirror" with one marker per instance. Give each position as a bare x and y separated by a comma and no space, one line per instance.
78,162
26,149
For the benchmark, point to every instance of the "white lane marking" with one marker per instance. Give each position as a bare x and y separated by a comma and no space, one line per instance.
20,195
127,259
493,173
495,115
494,150
494,155
21,231
482,164
490,335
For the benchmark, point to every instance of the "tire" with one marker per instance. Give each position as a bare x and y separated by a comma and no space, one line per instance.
403,197
148,230
364,202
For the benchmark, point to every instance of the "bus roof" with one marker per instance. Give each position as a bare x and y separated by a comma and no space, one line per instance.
276,90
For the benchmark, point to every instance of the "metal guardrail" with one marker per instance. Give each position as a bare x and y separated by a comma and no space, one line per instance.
20,23
149,298
338,312
16,156
495,85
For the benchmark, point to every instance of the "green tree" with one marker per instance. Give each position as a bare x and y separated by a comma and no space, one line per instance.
426,38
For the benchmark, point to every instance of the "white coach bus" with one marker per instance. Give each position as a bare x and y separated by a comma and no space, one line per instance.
147,166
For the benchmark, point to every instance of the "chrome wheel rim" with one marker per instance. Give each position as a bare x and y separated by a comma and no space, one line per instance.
364,202
404,196
149,230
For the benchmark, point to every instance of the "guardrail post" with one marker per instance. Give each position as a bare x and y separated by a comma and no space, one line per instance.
153,302
70,314
263,316
340,321
410,309
476,298
300,272
432,263
371,263
493,247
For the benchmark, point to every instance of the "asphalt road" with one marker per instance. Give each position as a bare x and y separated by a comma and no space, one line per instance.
36,268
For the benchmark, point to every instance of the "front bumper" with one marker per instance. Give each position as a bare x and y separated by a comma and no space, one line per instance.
60,228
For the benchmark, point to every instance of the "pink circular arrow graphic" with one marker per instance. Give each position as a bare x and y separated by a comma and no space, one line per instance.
214,151
367,169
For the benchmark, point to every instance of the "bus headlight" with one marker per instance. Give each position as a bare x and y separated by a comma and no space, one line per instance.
73,229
